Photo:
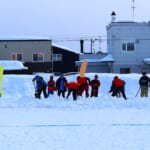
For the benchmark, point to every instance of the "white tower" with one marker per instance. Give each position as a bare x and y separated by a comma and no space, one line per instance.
113,16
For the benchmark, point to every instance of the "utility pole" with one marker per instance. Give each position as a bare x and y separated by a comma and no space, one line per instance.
52,59
92,46
133,10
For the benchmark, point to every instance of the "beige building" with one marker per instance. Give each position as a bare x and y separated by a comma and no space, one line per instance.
34,53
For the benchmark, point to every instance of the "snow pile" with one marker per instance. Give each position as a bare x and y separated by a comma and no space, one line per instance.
18,91
12,65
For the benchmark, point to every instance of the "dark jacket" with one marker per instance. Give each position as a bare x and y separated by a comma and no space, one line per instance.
61,84
144,81
95,83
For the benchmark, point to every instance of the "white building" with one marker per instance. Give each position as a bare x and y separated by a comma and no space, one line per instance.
129,44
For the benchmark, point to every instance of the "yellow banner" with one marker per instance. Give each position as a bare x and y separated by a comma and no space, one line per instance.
1,76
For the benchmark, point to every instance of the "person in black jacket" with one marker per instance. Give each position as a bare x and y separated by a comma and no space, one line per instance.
144,83
61,85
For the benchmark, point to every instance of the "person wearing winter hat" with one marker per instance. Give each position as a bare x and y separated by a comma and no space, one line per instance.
84,85
61,85
95,84
51,86
40,86
112,88
119,87
144,83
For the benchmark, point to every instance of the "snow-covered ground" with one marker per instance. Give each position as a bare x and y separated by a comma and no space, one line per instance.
103,123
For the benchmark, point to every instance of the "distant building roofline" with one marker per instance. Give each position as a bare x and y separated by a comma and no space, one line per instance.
65,48
24,38
129,22
107,58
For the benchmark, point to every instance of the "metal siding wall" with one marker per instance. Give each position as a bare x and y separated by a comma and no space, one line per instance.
132,31
99,68
27,48
134,68
4,54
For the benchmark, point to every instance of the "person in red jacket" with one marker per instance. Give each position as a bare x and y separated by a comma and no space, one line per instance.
112,88
73,88
119,87
95,84
84,85
51,86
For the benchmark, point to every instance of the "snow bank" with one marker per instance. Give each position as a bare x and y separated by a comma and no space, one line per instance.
12,65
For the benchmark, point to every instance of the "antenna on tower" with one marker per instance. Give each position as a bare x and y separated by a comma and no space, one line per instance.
133,9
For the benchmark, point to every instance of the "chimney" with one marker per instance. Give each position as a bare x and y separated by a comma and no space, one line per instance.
82,46
113,16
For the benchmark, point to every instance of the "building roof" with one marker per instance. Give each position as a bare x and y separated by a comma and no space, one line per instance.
65,48
107,58
127,23
24,38
147,60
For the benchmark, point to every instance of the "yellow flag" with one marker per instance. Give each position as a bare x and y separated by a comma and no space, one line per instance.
1,76
83,68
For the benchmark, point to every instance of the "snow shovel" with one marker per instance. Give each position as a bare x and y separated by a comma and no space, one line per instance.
36,94
137,92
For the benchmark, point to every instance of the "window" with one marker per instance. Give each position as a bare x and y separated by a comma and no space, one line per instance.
124,46
128,46
16,56
125,70
38,57
57,57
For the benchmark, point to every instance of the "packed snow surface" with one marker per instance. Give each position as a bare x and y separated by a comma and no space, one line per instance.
56,123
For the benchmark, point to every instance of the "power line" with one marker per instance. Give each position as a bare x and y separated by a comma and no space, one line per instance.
91,39
94,38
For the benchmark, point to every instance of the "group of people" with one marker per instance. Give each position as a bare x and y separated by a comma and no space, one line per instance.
61,85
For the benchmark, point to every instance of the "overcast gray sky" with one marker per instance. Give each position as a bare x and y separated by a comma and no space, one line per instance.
61,19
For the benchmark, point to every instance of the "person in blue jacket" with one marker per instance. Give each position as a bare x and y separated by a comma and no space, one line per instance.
61,85
40,86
